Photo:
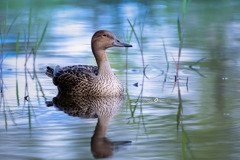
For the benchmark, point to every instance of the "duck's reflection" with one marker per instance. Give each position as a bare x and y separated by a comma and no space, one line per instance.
102,108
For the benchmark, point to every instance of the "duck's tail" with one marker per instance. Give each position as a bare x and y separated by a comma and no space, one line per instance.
49,72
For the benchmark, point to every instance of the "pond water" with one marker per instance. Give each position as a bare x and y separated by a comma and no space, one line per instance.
195,118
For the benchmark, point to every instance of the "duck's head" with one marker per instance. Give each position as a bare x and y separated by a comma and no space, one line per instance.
103,39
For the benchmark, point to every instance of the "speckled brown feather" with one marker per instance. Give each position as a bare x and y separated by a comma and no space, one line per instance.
87,107
70,77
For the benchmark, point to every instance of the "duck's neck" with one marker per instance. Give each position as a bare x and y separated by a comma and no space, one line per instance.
104,67
101,127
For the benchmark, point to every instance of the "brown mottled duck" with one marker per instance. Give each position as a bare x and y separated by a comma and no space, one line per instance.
84,80
100,107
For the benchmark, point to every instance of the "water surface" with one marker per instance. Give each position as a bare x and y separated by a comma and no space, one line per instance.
208,127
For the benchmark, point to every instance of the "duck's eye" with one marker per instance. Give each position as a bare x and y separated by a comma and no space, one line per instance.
104,35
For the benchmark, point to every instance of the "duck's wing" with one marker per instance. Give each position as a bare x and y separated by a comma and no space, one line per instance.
71,75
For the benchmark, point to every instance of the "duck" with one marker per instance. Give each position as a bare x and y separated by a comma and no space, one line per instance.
86,80
90,107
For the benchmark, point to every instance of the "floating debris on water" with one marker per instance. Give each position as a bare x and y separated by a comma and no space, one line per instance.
135,84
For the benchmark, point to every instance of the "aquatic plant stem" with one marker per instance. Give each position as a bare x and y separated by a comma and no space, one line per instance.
27,55
140,44
180,34
1,54
165,52
180,24
17,89
38,43
128,40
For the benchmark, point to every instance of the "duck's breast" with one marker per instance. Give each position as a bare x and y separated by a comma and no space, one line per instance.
107,86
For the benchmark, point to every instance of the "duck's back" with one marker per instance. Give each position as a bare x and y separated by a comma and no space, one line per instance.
73,79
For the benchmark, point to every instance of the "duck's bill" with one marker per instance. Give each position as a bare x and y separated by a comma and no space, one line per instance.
118,43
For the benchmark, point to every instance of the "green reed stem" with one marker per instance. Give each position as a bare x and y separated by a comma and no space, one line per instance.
38,43
27,55
17,92
128,40
185,5
29,22
140,43
9,28
29,116
42,36
17,49
165,52
17,46
132,27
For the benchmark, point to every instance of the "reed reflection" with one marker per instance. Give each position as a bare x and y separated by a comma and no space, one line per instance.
102,108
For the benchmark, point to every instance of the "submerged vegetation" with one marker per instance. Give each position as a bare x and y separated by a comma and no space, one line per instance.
180,26
29,51
138,103
4,31
185,140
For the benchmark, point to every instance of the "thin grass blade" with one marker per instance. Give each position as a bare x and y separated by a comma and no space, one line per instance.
184,6
4,29
1,36
165,52
179,115
37,38
179,29
139,44
184,145
17,44
29,22
5,117
43,34
6,19
130,37
29,117
176,66
9,28
17,92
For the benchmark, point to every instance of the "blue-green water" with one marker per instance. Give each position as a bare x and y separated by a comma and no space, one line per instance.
209,123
